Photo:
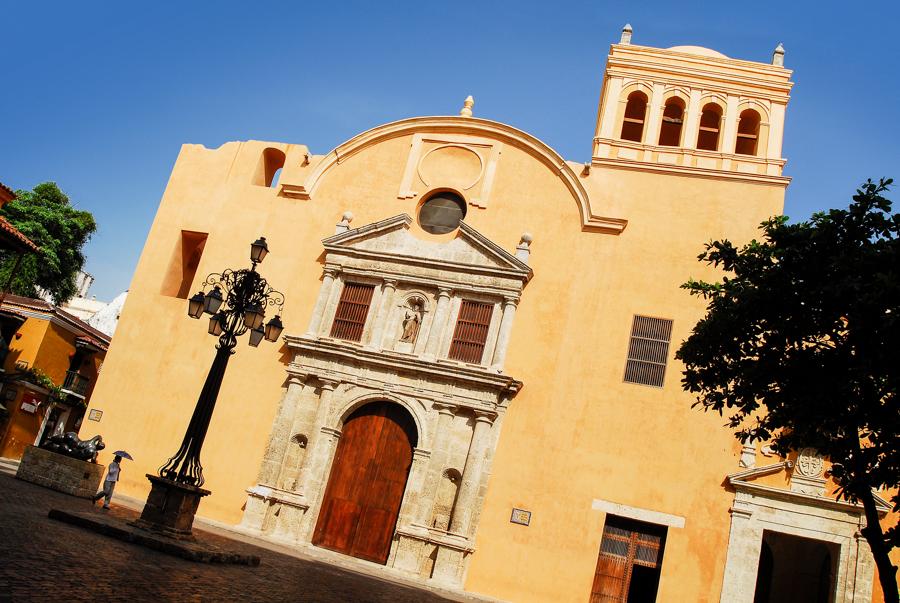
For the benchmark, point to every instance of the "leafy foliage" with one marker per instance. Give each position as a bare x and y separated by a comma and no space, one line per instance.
37,377
799,346
46,217
42,379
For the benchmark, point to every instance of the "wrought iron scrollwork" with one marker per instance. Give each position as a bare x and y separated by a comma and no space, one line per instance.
242,291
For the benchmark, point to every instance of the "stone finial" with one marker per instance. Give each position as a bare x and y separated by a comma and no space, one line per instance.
626,34
344,224
466,111
778,55
523,249
748,455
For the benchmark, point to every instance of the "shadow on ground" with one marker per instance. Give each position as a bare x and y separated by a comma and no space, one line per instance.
46,560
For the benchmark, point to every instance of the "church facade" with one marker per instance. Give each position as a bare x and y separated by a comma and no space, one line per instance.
476,386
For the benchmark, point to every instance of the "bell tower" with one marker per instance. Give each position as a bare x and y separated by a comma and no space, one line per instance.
692,110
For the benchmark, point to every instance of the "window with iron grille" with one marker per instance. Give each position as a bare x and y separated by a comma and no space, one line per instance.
629,562
350,317
471,331
648,350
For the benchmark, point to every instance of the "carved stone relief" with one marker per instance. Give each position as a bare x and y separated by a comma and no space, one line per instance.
807,477
401,358
465,163
810,463
759,508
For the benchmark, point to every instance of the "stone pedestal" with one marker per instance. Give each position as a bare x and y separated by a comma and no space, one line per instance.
170,508
60,472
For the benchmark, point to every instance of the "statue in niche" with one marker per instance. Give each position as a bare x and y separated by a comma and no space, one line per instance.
412,321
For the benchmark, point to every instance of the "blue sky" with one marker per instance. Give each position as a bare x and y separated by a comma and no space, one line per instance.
100,96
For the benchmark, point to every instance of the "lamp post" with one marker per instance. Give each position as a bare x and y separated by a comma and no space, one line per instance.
236,304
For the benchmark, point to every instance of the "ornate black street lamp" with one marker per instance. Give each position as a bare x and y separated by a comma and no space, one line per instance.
236,303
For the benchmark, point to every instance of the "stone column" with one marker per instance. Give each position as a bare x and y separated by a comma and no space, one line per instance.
654,115
471,478
414,490
317,446
436,465
327,441
506,322
438,323
606,128
383,315
742,557
315,323
278,440
301,423
729,128
691,121
776,133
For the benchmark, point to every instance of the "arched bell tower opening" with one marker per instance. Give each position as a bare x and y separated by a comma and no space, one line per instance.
368,478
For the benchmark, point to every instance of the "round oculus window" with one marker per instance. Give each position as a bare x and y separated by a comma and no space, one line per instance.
442,213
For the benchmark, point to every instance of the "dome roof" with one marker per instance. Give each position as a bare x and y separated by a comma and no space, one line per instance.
699,50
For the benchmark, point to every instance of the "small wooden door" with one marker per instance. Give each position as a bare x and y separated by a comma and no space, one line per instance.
368,478
629,563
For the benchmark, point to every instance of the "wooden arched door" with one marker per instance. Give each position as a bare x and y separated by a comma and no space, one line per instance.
368,478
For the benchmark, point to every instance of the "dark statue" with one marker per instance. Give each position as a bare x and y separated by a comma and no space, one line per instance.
70,445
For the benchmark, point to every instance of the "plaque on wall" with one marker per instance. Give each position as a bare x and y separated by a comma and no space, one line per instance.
521,517
94,414
30,402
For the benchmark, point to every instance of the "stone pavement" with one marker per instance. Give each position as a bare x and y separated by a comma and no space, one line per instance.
46,560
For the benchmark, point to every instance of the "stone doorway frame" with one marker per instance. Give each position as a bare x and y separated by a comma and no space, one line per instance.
757,508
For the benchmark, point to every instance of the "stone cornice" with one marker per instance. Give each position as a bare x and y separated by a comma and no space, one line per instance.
444,286
739,481
434,536
285,497
513,268
740,76
354,355
692,171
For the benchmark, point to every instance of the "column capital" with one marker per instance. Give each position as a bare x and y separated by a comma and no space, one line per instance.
740,512
391,282
331,270
297,378
421,454
444,291
485,416
329,383
444,408
511,300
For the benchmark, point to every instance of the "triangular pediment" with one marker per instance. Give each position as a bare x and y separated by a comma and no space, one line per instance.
391,240
747,480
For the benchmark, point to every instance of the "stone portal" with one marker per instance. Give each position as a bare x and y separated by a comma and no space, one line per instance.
368,478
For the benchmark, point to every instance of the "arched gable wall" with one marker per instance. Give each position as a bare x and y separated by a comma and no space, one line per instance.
463,126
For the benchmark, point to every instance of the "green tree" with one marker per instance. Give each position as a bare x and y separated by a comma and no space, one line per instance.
45,216
799,346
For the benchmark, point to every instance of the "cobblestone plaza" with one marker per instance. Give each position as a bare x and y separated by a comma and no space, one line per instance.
45,560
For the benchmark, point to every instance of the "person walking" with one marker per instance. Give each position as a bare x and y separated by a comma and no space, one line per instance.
109,484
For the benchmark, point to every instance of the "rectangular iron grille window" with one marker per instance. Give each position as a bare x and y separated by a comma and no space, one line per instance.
350,317
471,331
648,350
629,563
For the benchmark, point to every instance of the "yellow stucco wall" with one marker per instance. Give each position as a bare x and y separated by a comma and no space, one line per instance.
575,432
26,344
48,347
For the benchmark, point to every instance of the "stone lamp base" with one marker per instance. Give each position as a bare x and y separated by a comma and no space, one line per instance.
170,508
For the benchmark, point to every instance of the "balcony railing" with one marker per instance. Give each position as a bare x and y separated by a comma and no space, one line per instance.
75,384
